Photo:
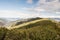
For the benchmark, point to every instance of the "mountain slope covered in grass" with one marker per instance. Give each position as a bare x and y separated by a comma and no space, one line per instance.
40,30
25,22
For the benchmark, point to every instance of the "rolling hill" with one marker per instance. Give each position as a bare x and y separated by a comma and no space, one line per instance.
39,29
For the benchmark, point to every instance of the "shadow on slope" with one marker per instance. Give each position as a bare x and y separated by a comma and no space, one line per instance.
43,30
27,20
3,32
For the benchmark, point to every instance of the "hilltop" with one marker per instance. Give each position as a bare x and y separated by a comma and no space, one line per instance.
37,29
24,22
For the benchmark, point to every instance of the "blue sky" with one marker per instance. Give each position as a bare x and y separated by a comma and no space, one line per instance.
14,4
29,8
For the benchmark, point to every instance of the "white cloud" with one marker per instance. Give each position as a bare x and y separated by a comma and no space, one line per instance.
38,9
29,1
33,9
50,16
16,14
58,13
42,6
54,5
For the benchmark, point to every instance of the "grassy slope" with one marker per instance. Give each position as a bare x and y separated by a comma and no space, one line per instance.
41,30
3,32
27,23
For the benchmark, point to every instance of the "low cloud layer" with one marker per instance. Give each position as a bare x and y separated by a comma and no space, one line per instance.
40,8
16,14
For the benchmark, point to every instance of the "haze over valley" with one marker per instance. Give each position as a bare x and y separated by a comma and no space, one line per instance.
29,19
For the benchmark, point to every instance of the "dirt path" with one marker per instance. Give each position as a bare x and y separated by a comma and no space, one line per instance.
24,24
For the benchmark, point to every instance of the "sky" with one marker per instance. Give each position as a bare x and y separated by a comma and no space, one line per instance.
30,8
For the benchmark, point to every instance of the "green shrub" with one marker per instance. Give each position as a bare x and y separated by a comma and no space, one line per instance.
3,32
43,30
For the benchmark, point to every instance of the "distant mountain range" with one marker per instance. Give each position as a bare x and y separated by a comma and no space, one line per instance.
31,29
57,19
14,19
6,21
